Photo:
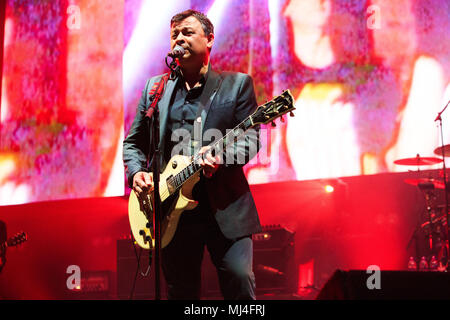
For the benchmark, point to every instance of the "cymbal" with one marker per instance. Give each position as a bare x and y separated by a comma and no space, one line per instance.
445,148
418,161
426,183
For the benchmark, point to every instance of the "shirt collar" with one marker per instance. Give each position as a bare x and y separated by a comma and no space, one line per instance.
203,79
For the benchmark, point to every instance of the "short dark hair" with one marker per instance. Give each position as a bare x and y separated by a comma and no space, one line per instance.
203,19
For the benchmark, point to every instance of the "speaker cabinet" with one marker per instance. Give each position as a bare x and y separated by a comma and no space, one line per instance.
274,260
352,285
127,266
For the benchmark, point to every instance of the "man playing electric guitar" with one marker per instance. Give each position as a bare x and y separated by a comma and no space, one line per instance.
226,215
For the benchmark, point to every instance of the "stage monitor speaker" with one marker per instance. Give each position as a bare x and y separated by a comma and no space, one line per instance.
144,287
393,285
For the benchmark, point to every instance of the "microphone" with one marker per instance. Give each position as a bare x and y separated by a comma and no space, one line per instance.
177,52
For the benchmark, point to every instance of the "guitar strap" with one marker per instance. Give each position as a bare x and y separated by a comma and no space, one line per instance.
156,93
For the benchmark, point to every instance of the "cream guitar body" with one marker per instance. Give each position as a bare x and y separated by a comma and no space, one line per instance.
140,211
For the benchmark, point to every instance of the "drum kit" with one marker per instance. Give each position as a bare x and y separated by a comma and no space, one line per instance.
433,223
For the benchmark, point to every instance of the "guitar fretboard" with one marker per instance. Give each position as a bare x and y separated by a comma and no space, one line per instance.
14,241
176,181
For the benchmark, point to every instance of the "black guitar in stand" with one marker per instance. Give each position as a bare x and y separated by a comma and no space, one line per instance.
11,242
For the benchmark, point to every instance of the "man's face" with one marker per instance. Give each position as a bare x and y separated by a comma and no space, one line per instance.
190,35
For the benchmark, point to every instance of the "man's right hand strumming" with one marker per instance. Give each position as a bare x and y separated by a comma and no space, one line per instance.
142,183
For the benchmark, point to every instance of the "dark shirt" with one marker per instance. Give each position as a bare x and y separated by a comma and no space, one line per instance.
184,107
183,112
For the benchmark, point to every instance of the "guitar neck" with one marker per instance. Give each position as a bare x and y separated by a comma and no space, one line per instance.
264,114
14,241
219,146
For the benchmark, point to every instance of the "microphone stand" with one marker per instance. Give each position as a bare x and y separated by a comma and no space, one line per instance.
153,114
446,184
156,204
157,216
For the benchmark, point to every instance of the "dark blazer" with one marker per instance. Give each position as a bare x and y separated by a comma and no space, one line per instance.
228,99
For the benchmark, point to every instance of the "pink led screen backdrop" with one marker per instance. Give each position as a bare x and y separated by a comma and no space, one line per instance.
368,78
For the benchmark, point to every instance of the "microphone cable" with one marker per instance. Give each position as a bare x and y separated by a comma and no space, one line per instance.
138,260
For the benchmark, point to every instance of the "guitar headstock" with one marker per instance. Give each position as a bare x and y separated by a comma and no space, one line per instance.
274,108
17,239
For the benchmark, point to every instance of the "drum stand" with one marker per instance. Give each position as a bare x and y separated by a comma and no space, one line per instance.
429,234
442,152
434,225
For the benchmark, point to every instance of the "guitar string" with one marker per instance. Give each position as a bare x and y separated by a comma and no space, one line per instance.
178,177
197,156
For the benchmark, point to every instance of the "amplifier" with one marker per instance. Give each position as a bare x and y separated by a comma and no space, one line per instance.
127,269
273,237
274,260
94,285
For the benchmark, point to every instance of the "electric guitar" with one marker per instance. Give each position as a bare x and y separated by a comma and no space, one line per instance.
14,241
182,173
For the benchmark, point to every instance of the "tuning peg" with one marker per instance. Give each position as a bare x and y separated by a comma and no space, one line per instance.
273,124
291,114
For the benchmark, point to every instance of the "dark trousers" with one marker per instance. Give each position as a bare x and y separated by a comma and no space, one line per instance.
182,259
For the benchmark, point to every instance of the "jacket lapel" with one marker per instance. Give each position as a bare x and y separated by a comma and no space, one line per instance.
209,93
